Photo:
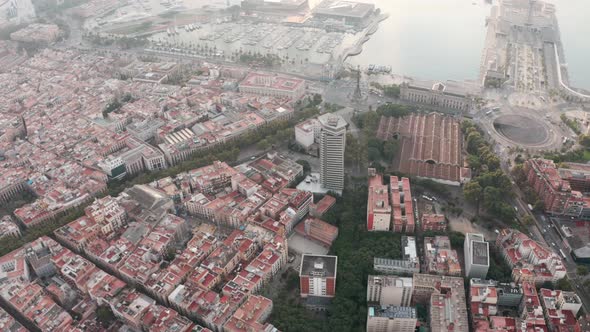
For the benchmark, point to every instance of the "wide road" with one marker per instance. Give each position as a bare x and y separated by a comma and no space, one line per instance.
545,231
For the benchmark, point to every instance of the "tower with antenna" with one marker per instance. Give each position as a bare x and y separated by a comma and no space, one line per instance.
24,124
531,8
357,94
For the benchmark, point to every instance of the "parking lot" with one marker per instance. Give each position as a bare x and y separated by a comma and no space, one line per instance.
301,245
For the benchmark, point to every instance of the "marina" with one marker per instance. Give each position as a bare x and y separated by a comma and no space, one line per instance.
299,48
410,31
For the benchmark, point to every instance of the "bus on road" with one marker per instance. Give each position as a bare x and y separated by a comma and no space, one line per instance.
563,254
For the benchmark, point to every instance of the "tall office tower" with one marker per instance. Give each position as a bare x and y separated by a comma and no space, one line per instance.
332,145
477,256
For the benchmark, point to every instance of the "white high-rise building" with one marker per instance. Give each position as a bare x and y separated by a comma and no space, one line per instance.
16,12
307,133
332,145
390,290
477,256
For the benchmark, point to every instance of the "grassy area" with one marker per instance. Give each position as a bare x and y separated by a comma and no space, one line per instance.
572,123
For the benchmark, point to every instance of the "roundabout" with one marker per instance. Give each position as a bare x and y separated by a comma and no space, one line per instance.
520,127
521,130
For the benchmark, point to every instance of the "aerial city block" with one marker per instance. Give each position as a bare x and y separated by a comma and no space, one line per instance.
294,165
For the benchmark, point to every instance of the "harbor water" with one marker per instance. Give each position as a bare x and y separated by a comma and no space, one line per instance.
443,39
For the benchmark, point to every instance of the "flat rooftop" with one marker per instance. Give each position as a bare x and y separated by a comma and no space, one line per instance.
272,81
318,266
406,264
452,88
276,2
392,311
333,121
390,281
344,8
409,248
480,253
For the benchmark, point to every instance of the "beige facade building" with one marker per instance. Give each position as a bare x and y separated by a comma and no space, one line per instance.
378,203
307,132
273,85
108,214
449,95
389,290
391,319
446,298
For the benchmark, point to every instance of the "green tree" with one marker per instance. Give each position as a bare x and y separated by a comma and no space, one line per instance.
528,220
369,122
564,284
391,90
499,269
305,164
422,312
585,140
518,174
112,106
355,152
474,141
492,162
474,162
498,180
105,316
317,99
457,240
539,205
263,144
473,193
582,270
573,124
493,199
390,149
374,154
170,254
394,110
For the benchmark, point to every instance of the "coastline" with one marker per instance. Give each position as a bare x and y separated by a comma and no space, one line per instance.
370,30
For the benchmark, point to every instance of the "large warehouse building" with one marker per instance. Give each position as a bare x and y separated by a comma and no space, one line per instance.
350,12
430,146
275,5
